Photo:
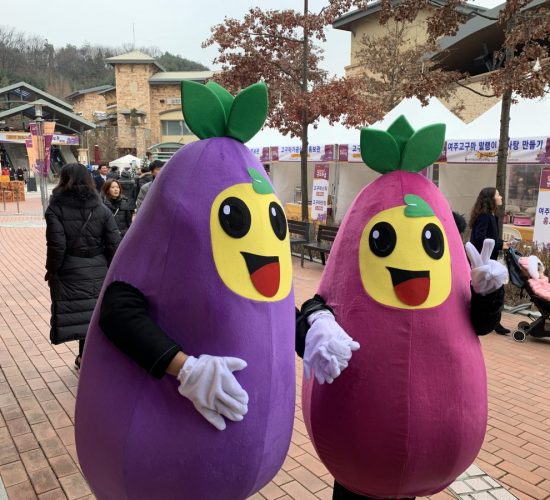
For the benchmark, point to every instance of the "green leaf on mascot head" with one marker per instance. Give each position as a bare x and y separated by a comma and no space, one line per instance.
423,148
203,110
259,182
223,95
248,112
379,150
401,130
417,207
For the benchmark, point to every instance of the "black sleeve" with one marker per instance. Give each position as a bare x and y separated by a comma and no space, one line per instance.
485,311
317,303
480,231
56,241
111,236
125,320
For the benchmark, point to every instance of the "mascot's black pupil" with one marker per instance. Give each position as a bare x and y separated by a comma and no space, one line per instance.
382,239
433,242
234,217
278,220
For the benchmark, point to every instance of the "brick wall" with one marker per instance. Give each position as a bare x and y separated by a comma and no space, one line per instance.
88,103
161,93
133,92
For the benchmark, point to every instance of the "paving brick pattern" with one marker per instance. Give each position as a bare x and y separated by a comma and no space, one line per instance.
38,386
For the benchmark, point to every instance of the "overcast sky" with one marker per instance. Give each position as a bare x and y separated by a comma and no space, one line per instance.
176,26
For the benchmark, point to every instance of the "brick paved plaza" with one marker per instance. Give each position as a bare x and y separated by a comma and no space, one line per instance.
38,386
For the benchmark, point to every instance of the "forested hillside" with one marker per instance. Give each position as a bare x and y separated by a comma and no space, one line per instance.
62,70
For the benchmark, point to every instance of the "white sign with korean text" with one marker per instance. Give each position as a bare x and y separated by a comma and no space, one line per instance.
319,196
292,153
526,150
541,232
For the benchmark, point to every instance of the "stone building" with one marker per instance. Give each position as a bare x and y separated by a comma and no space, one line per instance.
471,50
142,111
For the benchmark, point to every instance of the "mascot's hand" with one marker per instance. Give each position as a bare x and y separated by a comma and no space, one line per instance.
209,383
487,275
328,348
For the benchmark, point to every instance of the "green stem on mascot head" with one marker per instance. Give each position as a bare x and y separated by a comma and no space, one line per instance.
211,111
400,147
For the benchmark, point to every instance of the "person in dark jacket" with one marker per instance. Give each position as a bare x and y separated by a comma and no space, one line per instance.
144,178
484,225
100,176
82,237
118,204
128,187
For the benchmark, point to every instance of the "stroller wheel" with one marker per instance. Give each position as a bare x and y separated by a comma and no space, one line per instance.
523,325
519,335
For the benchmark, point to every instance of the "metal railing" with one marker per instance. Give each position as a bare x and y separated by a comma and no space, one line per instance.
16,196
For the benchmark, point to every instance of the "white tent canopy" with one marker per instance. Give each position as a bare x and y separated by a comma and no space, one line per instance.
528,118
323,134
130,161
420,116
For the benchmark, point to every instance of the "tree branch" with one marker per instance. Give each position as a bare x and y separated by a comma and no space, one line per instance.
473,90
288,39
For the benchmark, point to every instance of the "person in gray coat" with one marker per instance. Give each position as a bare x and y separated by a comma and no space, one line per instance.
155,169
82,237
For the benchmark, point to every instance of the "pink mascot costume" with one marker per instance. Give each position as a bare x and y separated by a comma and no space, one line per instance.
408,415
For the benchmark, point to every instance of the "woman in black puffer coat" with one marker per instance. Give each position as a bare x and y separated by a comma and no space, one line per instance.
118,204
82,237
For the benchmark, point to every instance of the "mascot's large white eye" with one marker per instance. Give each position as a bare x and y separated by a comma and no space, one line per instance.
433,241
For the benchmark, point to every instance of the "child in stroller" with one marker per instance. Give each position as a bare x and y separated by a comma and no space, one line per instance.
527,273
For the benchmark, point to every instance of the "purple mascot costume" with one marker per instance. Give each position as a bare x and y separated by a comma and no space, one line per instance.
210,252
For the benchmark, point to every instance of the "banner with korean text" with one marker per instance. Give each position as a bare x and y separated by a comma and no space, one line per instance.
526,150
541,233
39,146
314,153
319,196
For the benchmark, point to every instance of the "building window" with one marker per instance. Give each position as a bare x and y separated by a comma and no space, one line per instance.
174,127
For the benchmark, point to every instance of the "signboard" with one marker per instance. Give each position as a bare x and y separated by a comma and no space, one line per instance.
527,150
319,196
39,146
261,153
57,139
350,153
315,153
541,233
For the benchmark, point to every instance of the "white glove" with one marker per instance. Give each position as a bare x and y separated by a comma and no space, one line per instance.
328,348
209,383
487,275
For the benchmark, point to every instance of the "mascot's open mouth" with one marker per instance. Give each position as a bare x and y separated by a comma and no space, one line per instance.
411,287
265,273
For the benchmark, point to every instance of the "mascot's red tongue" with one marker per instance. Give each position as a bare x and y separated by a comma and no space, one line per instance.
414,291
266,279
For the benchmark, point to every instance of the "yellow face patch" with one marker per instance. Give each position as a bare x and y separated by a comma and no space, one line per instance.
405,261
250,243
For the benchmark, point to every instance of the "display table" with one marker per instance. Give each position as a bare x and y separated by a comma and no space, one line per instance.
525,231
294,211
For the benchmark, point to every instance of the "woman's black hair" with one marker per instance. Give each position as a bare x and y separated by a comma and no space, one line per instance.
485,204
76,178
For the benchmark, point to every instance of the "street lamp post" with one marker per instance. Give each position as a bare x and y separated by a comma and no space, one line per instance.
40,156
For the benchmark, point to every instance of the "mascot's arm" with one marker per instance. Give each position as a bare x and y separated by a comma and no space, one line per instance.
485,311
125,320
325,347
317,303
207,381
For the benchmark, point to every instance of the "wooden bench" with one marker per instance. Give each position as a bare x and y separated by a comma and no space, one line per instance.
299,232
325,238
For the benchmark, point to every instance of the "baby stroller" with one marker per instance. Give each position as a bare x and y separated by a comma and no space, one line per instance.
538,327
